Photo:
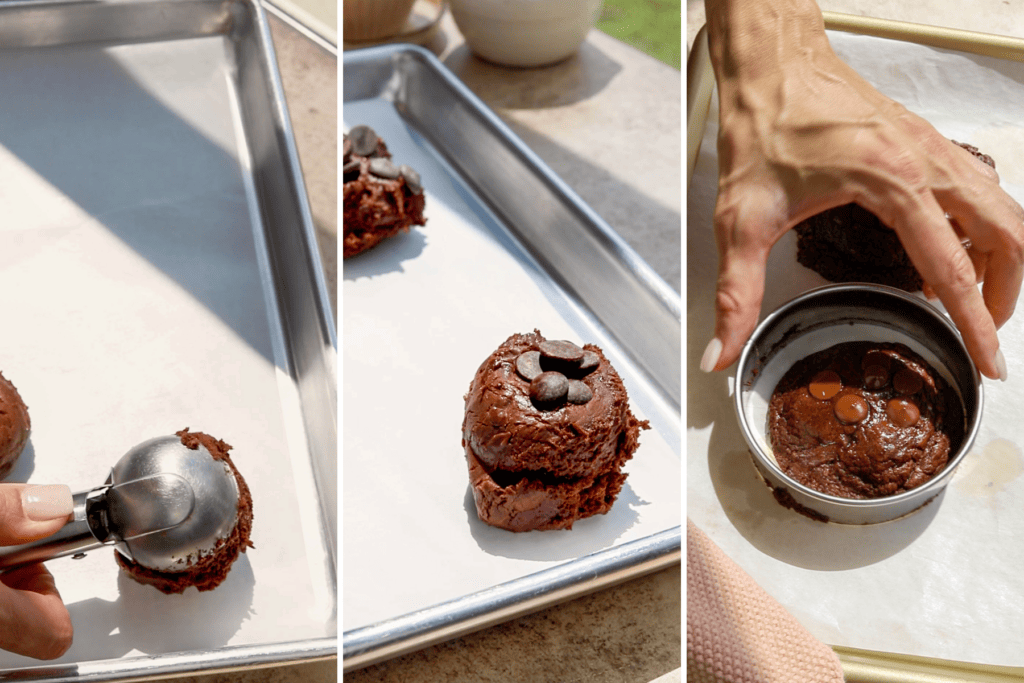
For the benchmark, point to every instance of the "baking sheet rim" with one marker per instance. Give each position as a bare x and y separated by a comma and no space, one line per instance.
864,665
448,620
166,666
405,633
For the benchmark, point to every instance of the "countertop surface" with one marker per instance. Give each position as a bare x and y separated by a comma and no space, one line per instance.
608,121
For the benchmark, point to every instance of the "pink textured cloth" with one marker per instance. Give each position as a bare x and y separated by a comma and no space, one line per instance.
737,633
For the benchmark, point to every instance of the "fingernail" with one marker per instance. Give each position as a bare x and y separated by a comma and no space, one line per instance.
43,503
1001,365
711,355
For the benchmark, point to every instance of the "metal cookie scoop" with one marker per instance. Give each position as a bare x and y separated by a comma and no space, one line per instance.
162,504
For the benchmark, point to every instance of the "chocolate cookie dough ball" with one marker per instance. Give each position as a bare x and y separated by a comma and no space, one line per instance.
381,198
205,571
850,244
863,420
546,433
15,426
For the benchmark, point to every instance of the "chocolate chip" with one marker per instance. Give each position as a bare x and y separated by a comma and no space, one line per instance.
528,365
560,350
364,141
876,357
579,393
350,171
412,179
383,168
851,409
825,385
876,377
906,381
903,413
590,362
548,389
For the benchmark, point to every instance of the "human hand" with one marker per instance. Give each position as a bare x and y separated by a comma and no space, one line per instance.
33,620
801,132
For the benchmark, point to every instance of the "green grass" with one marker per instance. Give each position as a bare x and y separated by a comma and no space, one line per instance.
651,26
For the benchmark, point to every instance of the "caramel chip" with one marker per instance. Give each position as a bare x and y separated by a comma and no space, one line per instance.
825,385
902,412
851,409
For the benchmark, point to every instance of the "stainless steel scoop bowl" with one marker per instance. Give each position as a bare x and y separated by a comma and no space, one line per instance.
162,505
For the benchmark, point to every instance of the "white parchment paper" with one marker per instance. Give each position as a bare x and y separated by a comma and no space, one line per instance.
945,582
421,312
136,303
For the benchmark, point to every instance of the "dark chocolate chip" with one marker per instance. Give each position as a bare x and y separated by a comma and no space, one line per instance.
561,351
825,385
590,362
383,168
412,179
876,377
906,381
350,171
579,393
364,141
528,365
876,357
549,389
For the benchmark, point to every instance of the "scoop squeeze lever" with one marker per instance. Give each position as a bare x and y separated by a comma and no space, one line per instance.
162,505
110,514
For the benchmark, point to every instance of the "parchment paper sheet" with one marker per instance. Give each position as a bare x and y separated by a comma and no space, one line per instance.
421,312
135,303
945,582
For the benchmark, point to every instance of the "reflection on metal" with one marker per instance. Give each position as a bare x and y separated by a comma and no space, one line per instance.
700,83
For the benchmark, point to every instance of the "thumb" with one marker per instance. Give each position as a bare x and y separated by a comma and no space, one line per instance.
28,512
740,289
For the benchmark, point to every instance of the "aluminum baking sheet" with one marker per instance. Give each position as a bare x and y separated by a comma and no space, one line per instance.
507,248
944,582
161,271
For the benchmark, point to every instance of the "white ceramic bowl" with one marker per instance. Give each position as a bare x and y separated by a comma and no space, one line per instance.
525,32
374,19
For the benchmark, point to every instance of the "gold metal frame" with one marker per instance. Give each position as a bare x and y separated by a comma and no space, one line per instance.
868,666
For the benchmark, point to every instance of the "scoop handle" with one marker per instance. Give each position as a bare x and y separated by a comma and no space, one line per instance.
76,536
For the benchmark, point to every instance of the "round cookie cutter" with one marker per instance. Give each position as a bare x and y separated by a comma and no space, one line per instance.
831,315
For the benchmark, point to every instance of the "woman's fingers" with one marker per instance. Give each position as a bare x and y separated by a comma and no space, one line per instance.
945,265
993,222
33,620
745,233
1003,275
29,512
